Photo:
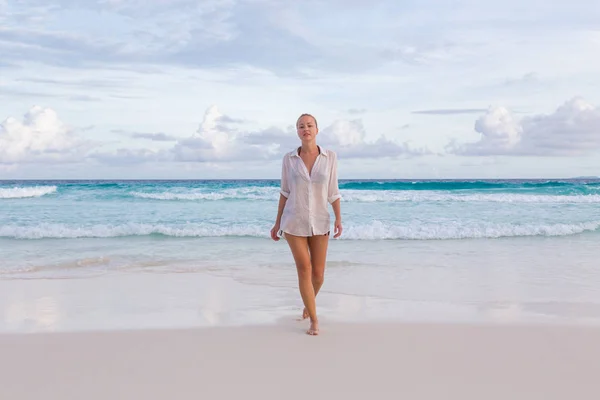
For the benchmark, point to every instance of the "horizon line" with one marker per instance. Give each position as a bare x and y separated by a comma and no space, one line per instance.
276,179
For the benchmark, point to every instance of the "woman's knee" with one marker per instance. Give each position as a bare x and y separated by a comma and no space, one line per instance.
304,270
318,275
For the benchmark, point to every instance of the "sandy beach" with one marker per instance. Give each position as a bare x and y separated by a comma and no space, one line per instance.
347,361
162,303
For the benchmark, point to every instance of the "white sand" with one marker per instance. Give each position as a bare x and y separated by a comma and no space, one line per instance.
347,361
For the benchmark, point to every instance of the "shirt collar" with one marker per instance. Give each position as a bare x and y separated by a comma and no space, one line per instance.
295,151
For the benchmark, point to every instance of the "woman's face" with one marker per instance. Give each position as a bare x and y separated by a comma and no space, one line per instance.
307,128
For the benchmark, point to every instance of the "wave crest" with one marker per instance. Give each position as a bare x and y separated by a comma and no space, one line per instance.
376,230
464,230
375,196
23,192
247,193
431,196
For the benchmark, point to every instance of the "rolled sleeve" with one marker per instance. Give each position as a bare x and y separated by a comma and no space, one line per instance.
333,191
285,186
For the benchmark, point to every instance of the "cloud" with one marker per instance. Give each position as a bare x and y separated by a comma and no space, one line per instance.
214,34
181,32
572,130
207,34
31,13
59,48
209,144
159,137
347,138
40,137
216,140
451,111
230,120
180,20
286,139
16,93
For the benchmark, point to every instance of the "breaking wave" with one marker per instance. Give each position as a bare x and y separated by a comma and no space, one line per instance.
23,192
376,230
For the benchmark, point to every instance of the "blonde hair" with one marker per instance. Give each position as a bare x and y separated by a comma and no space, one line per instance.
307,115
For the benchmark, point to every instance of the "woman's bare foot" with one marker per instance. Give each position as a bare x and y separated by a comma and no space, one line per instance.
314,328
305,313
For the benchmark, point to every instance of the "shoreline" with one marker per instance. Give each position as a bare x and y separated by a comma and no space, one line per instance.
347,361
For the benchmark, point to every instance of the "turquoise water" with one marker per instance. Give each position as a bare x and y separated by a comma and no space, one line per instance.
372,210
125,254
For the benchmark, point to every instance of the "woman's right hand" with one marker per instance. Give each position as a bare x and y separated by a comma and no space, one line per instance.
274,232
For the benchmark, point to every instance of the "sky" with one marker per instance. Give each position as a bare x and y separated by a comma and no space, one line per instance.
189,89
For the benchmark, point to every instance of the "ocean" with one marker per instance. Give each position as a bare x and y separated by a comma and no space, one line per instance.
145,253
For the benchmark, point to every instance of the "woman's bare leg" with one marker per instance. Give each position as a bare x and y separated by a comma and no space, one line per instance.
317,246
299,247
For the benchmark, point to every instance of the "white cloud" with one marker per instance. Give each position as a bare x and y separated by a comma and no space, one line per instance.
410,75
40,137
347,138
273,136
216,140
572,130
210,143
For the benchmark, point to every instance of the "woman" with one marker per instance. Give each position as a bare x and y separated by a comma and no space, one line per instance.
308,182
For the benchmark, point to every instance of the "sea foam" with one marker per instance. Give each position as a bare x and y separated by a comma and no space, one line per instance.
375,230
373,196
23,192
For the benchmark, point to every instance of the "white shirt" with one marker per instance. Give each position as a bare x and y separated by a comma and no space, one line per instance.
305,212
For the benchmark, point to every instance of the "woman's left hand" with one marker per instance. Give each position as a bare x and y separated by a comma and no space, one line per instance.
337,228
